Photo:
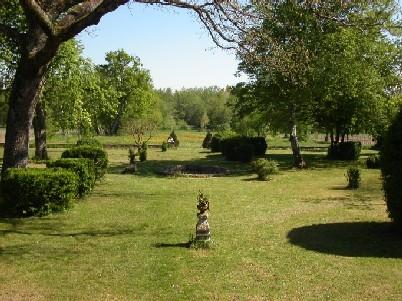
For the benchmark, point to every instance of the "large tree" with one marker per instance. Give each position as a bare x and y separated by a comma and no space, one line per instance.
43,25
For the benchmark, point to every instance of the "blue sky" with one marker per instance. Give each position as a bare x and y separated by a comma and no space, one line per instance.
170,43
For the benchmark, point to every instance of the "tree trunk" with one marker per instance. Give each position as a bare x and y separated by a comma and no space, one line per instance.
36,55
297,156
39,124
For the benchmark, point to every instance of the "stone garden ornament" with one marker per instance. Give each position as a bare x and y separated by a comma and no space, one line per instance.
202,233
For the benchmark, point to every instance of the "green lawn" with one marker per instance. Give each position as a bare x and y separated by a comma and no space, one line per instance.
301,236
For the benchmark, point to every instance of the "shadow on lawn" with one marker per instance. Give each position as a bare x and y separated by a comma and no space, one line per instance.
354,239
170,245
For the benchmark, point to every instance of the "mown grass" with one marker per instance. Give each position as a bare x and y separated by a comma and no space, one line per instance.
300,236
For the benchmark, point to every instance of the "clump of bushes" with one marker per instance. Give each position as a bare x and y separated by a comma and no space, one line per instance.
38,191
345,151
242,149
391,167
82,167
96,154
164,146
206,143
373,162
88,141
265,168
353,177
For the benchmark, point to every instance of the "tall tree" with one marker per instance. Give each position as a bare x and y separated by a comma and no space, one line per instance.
46,24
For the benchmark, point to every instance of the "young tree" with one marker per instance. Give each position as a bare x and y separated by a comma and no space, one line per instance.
46,24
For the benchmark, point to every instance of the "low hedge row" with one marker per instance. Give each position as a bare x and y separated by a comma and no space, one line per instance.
36,191
84,168
96,154
239,148
345,151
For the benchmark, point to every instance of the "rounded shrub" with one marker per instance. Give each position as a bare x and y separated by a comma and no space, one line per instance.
215,144
164,146
265,168
353,177
206,143
89,141
237,149
38,191
84,168
391,169
143,152
260,145
373,162
96,154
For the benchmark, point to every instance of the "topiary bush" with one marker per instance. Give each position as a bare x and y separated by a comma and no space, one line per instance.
265,168
391,169
260,145
175,139
353,177
345,151
143,152
237,149
96,154
38,191
373,162
88,141
84,168
164,146
216,146
206,143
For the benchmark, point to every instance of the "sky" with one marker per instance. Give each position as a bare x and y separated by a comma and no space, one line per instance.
172,44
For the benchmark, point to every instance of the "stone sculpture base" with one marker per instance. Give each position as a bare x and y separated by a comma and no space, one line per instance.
202,232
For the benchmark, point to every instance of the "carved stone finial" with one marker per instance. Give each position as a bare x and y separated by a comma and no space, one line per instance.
202,228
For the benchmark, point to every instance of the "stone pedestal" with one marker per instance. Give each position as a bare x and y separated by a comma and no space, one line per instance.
202,232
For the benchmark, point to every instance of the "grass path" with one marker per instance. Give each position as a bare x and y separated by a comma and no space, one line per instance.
301,236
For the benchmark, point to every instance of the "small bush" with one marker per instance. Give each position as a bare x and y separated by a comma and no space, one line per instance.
164,146
206,143
353,177
87,141
83,168
373,162
265,168
38,191
345,151
96,154
143,152
175,139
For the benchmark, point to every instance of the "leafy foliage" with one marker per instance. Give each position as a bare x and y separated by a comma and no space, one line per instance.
164,146
206,143
373,162
38,191
353,177
391,167
265,168
96,154
83,168
89,142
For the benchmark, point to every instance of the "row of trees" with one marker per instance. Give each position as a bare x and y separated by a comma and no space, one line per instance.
333,65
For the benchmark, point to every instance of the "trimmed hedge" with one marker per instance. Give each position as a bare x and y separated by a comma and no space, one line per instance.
391,169
373,162
353,177
206,143
89,142
84,168
345,151
243,148
38,191
216,144
96,154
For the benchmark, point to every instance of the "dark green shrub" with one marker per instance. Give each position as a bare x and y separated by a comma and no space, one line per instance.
353,177
88,141
265,168
96,154
216,146
391,168
260,145
345,151
206,143
38,191
164,146
175,139
132,153
84,168
373,162
237,149
143,152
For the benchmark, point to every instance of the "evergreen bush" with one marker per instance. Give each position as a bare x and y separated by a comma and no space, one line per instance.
265,168
237,149
345,151
143,152
38,191
215,144
353,177
88,141
206,143
84,168
164,146
96,154
391,169
373,162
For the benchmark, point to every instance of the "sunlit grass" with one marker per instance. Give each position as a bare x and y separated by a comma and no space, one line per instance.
300,236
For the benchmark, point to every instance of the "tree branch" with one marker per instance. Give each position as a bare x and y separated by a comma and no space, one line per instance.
33,9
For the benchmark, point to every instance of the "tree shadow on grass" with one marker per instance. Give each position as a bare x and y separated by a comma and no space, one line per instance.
172,245
354,239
